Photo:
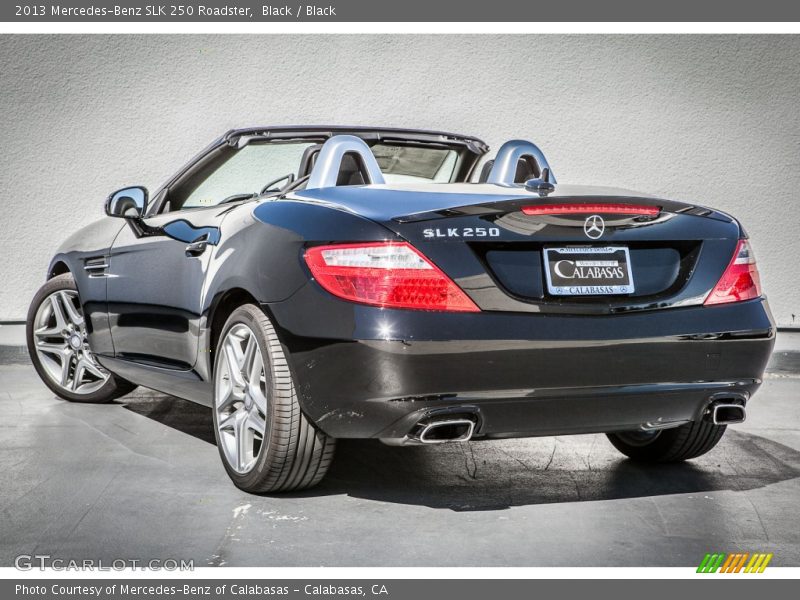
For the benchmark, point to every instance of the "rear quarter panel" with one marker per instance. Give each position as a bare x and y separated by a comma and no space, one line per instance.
261,253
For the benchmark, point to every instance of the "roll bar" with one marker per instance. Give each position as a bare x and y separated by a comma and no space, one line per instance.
505,164
326,170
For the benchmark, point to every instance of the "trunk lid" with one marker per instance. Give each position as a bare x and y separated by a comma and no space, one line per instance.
502,243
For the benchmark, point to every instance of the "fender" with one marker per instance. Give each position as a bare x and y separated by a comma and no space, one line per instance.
261,252
85,253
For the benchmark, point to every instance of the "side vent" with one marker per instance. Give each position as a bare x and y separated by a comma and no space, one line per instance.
328,166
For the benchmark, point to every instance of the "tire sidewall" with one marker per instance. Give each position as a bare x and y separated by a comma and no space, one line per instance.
676,444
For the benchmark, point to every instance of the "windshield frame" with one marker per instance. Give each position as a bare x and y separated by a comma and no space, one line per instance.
470,149
211,164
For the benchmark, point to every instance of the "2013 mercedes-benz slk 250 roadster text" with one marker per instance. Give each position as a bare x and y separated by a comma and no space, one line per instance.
315,283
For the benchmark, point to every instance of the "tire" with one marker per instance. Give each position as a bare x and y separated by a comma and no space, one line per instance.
55,332
265,441
669,445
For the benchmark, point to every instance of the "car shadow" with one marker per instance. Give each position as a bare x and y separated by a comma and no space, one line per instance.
182,415
499,474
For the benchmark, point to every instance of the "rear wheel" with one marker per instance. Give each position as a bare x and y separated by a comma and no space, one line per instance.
266,443
59,350
668,445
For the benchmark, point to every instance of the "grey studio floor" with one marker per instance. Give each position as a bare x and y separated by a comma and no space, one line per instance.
141,479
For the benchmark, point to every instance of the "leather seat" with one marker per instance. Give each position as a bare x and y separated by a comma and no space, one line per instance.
351,170
308,160
526,169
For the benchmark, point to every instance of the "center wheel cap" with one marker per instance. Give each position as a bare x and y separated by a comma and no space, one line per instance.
75,341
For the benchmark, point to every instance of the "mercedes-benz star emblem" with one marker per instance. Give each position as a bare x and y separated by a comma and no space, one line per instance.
594,226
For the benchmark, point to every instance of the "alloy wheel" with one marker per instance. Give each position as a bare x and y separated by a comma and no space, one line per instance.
240,398
59,338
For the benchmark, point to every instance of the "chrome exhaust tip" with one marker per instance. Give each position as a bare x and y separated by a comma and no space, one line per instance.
445,430
726,413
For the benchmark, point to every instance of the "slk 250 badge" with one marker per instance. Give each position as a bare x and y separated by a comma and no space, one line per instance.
461,232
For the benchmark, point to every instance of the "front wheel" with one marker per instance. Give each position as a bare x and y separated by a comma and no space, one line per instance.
668,445
266,443
60,353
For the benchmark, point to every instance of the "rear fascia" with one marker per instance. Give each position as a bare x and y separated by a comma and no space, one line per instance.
369,372
521,367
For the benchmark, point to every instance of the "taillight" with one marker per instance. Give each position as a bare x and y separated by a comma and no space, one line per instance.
740,281
386,274
612,208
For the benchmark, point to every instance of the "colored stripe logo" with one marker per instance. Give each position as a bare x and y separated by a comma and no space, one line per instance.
739,562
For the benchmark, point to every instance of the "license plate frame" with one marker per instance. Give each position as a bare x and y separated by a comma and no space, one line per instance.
592,260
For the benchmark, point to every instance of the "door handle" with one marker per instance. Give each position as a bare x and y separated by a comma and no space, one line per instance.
196,248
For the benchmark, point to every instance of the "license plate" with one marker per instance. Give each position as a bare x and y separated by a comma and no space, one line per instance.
588,271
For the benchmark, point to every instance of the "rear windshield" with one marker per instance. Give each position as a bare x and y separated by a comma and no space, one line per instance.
415,163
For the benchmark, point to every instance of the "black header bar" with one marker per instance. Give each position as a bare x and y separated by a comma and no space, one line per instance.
516,11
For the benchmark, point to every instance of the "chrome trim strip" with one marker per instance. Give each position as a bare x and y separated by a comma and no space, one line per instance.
717,407
436,424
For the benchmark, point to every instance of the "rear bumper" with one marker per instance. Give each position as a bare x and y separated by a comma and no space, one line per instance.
364,372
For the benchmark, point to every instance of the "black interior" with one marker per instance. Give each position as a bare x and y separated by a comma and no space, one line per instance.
485,170
526,169
352,170
308,160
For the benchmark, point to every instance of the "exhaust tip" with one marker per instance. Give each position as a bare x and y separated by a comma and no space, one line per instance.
446,430
723,413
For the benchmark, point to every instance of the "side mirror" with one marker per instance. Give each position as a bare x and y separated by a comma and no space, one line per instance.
128,203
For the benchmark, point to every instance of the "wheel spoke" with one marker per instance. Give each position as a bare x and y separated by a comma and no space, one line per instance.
259,399
232,395
235,342
225,395
75,317
47,332
248,359
58,349
241,440
58,312
228,422
77,376
255,367
233,357
256,423
66,362
92,368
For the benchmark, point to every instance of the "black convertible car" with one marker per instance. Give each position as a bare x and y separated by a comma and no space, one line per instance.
314,283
